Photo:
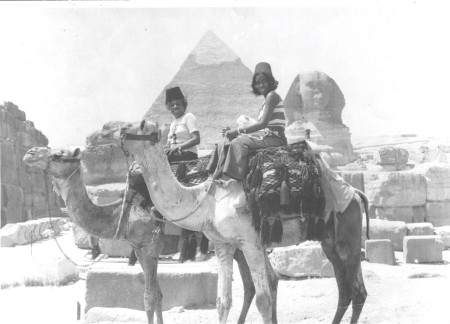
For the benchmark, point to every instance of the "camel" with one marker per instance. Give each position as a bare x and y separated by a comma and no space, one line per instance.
219,210
143,233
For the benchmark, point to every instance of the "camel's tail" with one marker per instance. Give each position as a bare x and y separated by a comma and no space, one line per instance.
366,209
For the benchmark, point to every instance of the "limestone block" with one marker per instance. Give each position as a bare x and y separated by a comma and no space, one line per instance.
115,248
419,214
383,229
8,162
422,249
305,259
355,179
80,237
15,201
104,164
420,229
438,213
99,315
106,193
390,155
438,182
181,284
8,234
395,189
380,251
444,233
402,214
51,271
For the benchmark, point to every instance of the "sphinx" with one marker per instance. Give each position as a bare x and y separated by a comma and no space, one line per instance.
313,108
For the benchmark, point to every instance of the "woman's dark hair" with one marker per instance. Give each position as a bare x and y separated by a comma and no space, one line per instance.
273,85
184,101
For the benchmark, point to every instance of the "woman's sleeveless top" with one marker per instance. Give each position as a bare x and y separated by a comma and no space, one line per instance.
277,122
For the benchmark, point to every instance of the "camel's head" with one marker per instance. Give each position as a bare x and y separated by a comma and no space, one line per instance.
58,162
137,136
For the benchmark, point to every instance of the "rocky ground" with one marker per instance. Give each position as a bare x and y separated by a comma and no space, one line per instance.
404,293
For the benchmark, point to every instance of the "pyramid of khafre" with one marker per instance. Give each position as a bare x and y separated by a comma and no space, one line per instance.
217,87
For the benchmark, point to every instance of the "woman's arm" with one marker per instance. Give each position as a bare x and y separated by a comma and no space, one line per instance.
272,101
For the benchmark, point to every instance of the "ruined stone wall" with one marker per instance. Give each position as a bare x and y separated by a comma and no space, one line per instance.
23,192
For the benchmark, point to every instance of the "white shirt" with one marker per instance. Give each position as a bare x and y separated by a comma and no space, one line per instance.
181,130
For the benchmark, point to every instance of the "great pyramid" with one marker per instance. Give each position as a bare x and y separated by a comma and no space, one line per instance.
217,86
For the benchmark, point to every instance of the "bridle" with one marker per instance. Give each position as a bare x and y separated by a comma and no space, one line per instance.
152,138
63,160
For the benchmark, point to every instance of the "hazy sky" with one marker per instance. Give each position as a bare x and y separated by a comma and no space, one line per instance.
73,68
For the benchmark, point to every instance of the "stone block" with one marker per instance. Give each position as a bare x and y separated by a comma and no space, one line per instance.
438,182
104,164
380,251
402,214
422,249
420,229
444,233
115,248
51,271
8,233
438,213
181,284
15,201
305,259
391,155
395,189
383,229
100,315
106,193
419,214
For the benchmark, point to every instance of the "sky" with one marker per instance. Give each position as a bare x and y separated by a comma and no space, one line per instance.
74,66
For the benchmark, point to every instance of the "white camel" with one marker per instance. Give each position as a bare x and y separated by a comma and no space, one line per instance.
220,211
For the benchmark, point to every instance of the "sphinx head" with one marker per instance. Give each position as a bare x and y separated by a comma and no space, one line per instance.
315,92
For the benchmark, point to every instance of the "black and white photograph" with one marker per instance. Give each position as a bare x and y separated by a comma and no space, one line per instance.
225,162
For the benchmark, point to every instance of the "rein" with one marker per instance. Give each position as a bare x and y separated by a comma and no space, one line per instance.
48,172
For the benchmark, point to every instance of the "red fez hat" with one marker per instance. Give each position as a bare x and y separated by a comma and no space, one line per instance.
263,67
173,94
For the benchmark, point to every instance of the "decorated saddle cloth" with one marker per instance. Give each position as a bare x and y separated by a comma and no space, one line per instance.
284,182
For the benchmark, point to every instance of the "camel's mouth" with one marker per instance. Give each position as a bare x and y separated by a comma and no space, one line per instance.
34,158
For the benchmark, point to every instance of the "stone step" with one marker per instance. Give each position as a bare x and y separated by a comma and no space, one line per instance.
380,251
117,285
422,249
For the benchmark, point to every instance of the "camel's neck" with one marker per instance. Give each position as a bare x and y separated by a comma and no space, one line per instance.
96,220
186,206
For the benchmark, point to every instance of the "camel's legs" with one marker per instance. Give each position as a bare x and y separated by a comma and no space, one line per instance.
249,287
152,291
340,274
273,280
348,247
358,291
256,256
224,254
343,249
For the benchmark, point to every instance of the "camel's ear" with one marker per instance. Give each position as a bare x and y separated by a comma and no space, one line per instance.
142,124
76,152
